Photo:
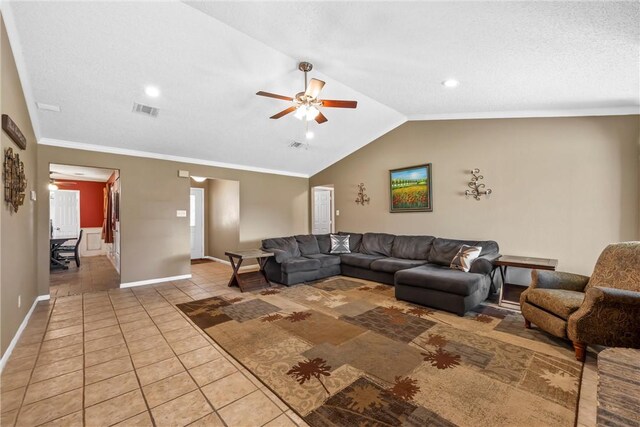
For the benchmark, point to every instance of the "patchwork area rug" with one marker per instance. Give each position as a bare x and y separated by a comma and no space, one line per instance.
346,352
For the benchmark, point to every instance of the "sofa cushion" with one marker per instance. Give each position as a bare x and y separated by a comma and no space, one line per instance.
391,265
340,244
307,244
355,239
287,244
359,260
325,260
465,257
441,278
324,243
294,265
377,244
444,250
411,247
560,302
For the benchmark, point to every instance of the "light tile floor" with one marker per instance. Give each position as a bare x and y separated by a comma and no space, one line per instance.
95,273
130,357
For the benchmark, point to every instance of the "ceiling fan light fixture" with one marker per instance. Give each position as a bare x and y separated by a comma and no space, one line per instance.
301,112
52,186
312,113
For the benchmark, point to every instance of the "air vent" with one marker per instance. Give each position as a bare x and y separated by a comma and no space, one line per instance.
296,144
145,109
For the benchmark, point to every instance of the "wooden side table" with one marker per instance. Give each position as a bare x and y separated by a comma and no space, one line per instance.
252,279
510,293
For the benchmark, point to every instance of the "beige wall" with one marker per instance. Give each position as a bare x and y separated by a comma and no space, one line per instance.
563,187
155,243
224,217
17,230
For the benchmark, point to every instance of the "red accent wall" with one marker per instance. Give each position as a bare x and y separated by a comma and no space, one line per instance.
91,201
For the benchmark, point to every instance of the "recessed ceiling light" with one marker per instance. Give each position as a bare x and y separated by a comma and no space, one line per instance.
48,107
450,83
152,91
309,135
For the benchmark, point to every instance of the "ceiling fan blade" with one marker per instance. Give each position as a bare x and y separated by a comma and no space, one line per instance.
314,88
283,113
334,103
274,95
320,118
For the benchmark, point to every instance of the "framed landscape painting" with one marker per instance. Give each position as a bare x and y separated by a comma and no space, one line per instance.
410,189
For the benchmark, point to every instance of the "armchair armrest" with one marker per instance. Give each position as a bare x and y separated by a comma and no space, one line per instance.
608,316
558,280
280,255
483,264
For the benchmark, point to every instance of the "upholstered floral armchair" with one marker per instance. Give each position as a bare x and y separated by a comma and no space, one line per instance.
603,309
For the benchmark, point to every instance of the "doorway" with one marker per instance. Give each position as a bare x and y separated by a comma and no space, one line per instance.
322,212
196,222
84,229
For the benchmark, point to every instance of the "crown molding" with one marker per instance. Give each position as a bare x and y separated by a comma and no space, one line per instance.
146,154
579,112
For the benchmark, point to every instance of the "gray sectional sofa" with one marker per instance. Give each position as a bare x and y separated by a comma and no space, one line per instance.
418,266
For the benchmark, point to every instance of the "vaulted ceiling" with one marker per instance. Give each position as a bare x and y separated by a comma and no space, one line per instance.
208,59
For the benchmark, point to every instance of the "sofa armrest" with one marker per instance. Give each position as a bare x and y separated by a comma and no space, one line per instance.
279,254
608,316
483,264
558,280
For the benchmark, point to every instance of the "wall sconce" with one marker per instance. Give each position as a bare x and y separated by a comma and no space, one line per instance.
477,189
362,198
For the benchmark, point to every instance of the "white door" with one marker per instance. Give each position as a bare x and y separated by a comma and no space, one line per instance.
64,212
196,211
321,211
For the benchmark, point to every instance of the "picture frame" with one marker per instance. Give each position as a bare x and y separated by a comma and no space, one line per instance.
410,189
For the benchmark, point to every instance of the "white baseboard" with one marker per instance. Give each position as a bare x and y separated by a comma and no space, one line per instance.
229,264
152,281
23,325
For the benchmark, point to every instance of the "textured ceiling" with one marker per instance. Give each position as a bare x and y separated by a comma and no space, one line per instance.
508,56
79,173
93,59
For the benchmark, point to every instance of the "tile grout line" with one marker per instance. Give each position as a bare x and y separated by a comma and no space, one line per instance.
178,357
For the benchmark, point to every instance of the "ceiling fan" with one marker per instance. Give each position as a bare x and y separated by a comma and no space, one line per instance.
306,104
54,183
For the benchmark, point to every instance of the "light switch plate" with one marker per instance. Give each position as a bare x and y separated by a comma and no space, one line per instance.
183,174
337,212
181,213
33,195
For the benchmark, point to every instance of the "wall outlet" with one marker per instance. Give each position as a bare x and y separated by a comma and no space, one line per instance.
337,212
19,301
183,174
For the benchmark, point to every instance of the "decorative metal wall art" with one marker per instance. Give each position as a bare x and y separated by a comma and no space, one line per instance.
15,182
362,198
477,189
14,132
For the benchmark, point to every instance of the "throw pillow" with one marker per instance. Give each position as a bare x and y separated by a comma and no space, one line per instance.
465,256
340,244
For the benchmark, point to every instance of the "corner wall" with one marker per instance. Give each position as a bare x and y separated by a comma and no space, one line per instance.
562,187
155,243
17,230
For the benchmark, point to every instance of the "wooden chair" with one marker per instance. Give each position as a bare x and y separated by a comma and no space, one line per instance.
70,252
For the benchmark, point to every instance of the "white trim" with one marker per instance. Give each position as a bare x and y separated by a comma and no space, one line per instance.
201,191
152,281
16,47
221,261
23,325
584,112
136,153
331,206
